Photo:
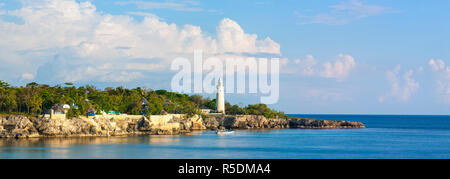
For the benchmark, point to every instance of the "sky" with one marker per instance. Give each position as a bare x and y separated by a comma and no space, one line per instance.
337,56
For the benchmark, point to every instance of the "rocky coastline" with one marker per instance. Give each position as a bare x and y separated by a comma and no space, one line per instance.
24,127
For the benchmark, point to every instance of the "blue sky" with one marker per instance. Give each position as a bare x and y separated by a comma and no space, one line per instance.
339,56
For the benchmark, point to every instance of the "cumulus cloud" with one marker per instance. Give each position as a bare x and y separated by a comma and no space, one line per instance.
344,13
442,79
402,87
338,69
232,38
71,40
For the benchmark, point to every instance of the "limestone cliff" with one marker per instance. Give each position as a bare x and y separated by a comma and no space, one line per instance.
20,127
323,124
172,124
261,122
17,126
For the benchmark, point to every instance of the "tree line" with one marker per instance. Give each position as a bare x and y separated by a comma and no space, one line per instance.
37,99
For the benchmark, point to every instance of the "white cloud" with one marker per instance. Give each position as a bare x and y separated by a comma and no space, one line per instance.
442,79
145,14
360,9
402,87
232,38
344,13
143,66
27,76
338,69
2,12
174,5
121,77
437,65
69,72
185,5
82,38
307,65
324,95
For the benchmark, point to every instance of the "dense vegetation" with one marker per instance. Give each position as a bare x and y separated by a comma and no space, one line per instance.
34,99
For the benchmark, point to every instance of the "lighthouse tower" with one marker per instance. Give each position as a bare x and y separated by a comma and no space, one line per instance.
220,100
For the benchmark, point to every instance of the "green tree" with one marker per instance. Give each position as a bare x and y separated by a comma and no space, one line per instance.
211,104
197,99
35,103
7,99
9,102
4,84
37,98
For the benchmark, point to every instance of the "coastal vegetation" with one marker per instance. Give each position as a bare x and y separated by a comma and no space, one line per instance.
38,99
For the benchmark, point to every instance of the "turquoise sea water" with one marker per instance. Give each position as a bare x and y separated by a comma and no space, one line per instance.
386,136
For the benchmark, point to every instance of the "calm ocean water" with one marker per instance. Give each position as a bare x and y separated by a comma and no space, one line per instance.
386,136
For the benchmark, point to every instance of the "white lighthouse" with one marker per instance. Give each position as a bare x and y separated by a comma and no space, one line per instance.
220,100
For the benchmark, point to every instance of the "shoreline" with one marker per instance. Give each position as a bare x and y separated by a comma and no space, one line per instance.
14,126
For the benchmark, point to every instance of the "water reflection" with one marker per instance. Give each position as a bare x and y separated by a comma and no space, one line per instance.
68,142
86,147
65,142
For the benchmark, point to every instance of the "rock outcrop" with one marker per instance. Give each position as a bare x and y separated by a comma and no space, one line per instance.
245,122
17,126
172,124
323,124
21,127
261,122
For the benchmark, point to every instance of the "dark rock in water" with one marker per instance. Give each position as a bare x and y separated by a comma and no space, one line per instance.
323,124
255,122
261,122
172,124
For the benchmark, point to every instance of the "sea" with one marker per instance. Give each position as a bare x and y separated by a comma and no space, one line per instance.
386,137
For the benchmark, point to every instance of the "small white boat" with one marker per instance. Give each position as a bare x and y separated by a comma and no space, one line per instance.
224,132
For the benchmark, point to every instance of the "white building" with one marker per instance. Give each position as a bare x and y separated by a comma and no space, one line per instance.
59,111
220,100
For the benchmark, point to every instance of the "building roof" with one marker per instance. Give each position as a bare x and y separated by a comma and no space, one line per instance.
91,110
66,106
60,107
